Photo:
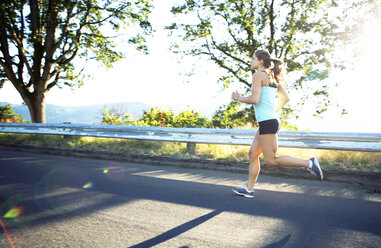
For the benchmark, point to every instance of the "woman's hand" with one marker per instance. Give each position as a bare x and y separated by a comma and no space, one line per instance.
235,95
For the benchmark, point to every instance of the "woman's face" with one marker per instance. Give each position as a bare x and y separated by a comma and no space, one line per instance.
255,62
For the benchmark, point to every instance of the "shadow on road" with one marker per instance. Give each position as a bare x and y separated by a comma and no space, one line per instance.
279,244
177,230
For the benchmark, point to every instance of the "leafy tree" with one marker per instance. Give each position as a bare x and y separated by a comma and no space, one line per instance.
233,116
40,40
7,114
228,32
190,118
113,117
157,118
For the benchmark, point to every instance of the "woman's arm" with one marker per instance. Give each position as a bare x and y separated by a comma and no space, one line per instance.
255,91
284,98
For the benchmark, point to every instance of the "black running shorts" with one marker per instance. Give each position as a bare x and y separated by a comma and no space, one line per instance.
269,127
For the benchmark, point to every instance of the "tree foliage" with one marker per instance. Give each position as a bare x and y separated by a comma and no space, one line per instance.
113,117
191,118
157,118
302,33
40,40
233,116
7,114
228,116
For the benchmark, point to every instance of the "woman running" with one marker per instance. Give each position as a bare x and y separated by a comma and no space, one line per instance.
266,84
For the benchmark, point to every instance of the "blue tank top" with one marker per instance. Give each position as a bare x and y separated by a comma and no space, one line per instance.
265,108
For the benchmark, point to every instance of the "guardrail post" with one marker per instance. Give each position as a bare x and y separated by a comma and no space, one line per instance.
67,138
191,148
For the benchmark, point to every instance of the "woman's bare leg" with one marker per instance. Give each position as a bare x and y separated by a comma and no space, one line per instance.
269,144
255,166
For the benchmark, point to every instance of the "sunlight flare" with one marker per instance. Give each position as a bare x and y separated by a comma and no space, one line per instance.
14,213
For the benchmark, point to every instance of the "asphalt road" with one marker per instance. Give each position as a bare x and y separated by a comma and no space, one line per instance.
78,202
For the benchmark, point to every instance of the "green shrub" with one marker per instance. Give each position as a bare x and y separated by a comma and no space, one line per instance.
7,114
157,118
115,118
232,116
190,118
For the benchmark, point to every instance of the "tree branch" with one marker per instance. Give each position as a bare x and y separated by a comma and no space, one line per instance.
54,83
21,64
64,29
19,85
229,29
35,17
60,60
8,71
100,36
227,54
49,47
5,47
251,39
36,40
108,17
20,48
222,64
7,61
272,28
292,29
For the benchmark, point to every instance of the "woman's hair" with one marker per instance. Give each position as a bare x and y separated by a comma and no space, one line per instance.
275,65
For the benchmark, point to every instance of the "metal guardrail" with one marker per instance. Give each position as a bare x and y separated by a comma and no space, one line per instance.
319,140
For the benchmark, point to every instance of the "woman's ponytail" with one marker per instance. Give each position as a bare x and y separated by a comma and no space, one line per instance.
275,65
277,69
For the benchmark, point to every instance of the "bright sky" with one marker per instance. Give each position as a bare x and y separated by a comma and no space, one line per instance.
156,79
153,79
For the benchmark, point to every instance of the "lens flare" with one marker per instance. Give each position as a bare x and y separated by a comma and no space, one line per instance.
88,185
6,233
14,212
115,171
61,191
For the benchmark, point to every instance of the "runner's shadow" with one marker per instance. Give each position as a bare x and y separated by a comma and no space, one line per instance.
280,243
177,230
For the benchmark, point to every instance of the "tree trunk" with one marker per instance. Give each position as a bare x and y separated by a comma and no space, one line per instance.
36,105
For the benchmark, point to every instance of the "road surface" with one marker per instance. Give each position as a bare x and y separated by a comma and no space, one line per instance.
79,202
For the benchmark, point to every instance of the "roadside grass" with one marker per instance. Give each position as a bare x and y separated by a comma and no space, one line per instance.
329,159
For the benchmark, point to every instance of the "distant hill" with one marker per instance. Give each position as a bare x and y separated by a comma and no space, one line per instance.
91,114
